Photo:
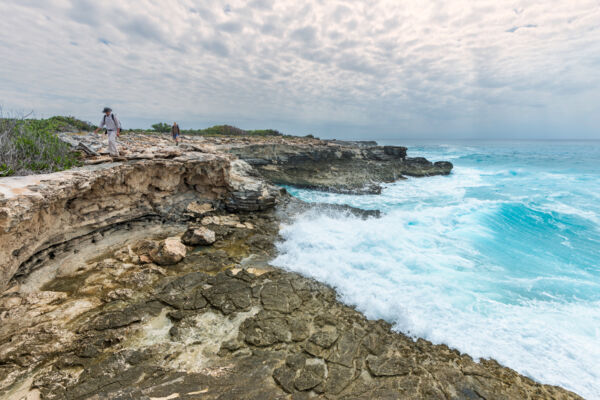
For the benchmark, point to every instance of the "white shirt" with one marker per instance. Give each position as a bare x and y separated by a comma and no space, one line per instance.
107,121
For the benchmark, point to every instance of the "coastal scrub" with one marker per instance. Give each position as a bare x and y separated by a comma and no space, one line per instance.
32,146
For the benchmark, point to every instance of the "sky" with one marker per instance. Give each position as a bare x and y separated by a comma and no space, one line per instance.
360,69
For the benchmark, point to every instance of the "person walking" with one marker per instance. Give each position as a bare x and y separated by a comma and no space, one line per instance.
175,133
113,130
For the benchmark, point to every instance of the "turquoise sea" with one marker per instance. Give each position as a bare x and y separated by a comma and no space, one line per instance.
500,259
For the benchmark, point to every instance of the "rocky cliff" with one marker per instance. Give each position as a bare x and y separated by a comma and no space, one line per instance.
42,212
149,278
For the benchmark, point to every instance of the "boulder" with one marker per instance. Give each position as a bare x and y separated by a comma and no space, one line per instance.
170,251
199,237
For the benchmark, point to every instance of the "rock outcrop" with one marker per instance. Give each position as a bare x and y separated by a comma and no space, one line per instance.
40,212
331,166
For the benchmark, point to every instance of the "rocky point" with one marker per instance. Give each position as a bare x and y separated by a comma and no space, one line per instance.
148,277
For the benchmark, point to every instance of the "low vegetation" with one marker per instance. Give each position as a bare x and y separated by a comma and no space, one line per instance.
31,145
218,130
162,127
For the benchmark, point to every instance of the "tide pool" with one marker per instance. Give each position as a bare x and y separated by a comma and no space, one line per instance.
500,259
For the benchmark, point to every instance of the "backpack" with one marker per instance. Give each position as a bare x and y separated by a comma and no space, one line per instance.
115,122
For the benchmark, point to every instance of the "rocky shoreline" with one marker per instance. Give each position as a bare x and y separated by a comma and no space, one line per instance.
149,278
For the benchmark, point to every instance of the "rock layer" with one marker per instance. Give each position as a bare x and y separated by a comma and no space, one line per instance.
40,212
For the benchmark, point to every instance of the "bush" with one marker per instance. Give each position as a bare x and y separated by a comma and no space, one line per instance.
162,127
69,124
228,130
31,146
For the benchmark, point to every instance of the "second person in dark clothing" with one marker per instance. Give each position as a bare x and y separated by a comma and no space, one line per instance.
175,133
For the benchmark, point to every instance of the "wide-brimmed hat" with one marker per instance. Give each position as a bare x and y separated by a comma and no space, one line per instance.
106,109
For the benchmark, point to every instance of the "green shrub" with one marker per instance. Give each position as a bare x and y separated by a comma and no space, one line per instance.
31,146
162,127
228,130
69,124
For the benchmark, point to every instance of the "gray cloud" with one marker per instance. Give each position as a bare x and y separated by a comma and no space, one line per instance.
330,68
305,34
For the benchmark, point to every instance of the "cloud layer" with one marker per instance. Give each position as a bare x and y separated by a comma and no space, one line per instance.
376,68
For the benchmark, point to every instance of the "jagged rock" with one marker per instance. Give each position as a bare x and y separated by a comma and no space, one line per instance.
285,376
346,350
300,373
325,339
198,237
144,247
112,329
170,251
40,214
226,220
338,378
188,300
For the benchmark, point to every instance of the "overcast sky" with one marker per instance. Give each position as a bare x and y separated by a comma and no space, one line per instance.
354,69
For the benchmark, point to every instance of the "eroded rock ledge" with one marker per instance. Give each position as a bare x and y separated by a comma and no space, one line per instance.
40,212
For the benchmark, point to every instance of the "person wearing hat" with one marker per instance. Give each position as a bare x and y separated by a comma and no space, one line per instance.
113,129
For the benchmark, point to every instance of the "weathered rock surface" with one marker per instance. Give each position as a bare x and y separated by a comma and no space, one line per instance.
230,335
334,166
41,212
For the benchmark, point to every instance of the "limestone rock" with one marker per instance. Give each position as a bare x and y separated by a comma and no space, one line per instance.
279,296
392,365
169,252
200,236
199,210
265,329
41,213
311,375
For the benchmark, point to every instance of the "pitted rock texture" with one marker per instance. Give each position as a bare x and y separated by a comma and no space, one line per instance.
317,348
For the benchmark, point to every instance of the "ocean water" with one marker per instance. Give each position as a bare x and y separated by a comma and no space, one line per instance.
500,259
